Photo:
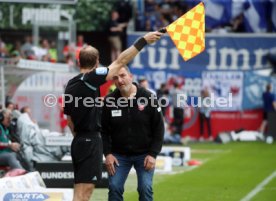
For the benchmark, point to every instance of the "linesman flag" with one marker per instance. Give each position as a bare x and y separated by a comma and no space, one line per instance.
188,32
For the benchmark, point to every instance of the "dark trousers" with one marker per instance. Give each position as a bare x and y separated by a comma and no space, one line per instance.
9,159
202,119
178,116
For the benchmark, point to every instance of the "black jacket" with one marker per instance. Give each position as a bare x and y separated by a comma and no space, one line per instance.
132,130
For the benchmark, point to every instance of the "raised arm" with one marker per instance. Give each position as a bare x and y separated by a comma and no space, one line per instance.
126,56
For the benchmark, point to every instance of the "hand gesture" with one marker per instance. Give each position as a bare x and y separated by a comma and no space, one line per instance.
149,163
110,161
152,37
15,146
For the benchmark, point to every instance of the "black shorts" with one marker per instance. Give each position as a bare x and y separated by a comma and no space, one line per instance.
87,158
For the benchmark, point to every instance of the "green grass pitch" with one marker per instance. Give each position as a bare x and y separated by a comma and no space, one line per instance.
228,173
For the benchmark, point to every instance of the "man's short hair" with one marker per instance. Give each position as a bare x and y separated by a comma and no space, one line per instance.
88,57
127,69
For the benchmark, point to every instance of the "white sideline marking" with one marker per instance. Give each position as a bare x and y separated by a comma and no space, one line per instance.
258,188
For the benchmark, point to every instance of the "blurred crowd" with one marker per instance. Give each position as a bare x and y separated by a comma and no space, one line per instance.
150,15
46,50
220,16
155,14
22,142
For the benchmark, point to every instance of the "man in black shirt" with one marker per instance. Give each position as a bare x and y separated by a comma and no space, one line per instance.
82,104
132,130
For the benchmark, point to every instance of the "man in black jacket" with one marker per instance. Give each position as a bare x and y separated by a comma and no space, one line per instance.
132,130
81,105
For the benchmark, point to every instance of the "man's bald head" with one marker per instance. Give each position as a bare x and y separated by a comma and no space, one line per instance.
89,57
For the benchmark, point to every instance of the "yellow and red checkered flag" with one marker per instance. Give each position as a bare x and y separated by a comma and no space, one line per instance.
188,32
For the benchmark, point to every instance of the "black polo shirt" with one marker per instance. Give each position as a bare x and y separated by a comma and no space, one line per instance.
82,100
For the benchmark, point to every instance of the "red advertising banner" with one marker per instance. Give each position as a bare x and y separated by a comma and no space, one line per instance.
222,122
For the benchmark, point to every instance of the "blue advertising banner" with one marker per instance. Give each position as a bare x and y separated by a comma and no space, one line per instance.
191,81
254,87
235,52
244,53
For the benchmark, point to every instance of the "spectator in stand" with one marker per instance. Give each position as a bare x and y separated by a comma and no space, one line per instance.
178,9
80,45
66,49
34,148
115,30
3,49
27,48
148,26
150,6
80,41
13,126
9,105
42,52
237,24
143,82
162,96
16,50
178,109
8,148
46,47
124,9
269,106
163,22
27,110
205,114
68,52
53,52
